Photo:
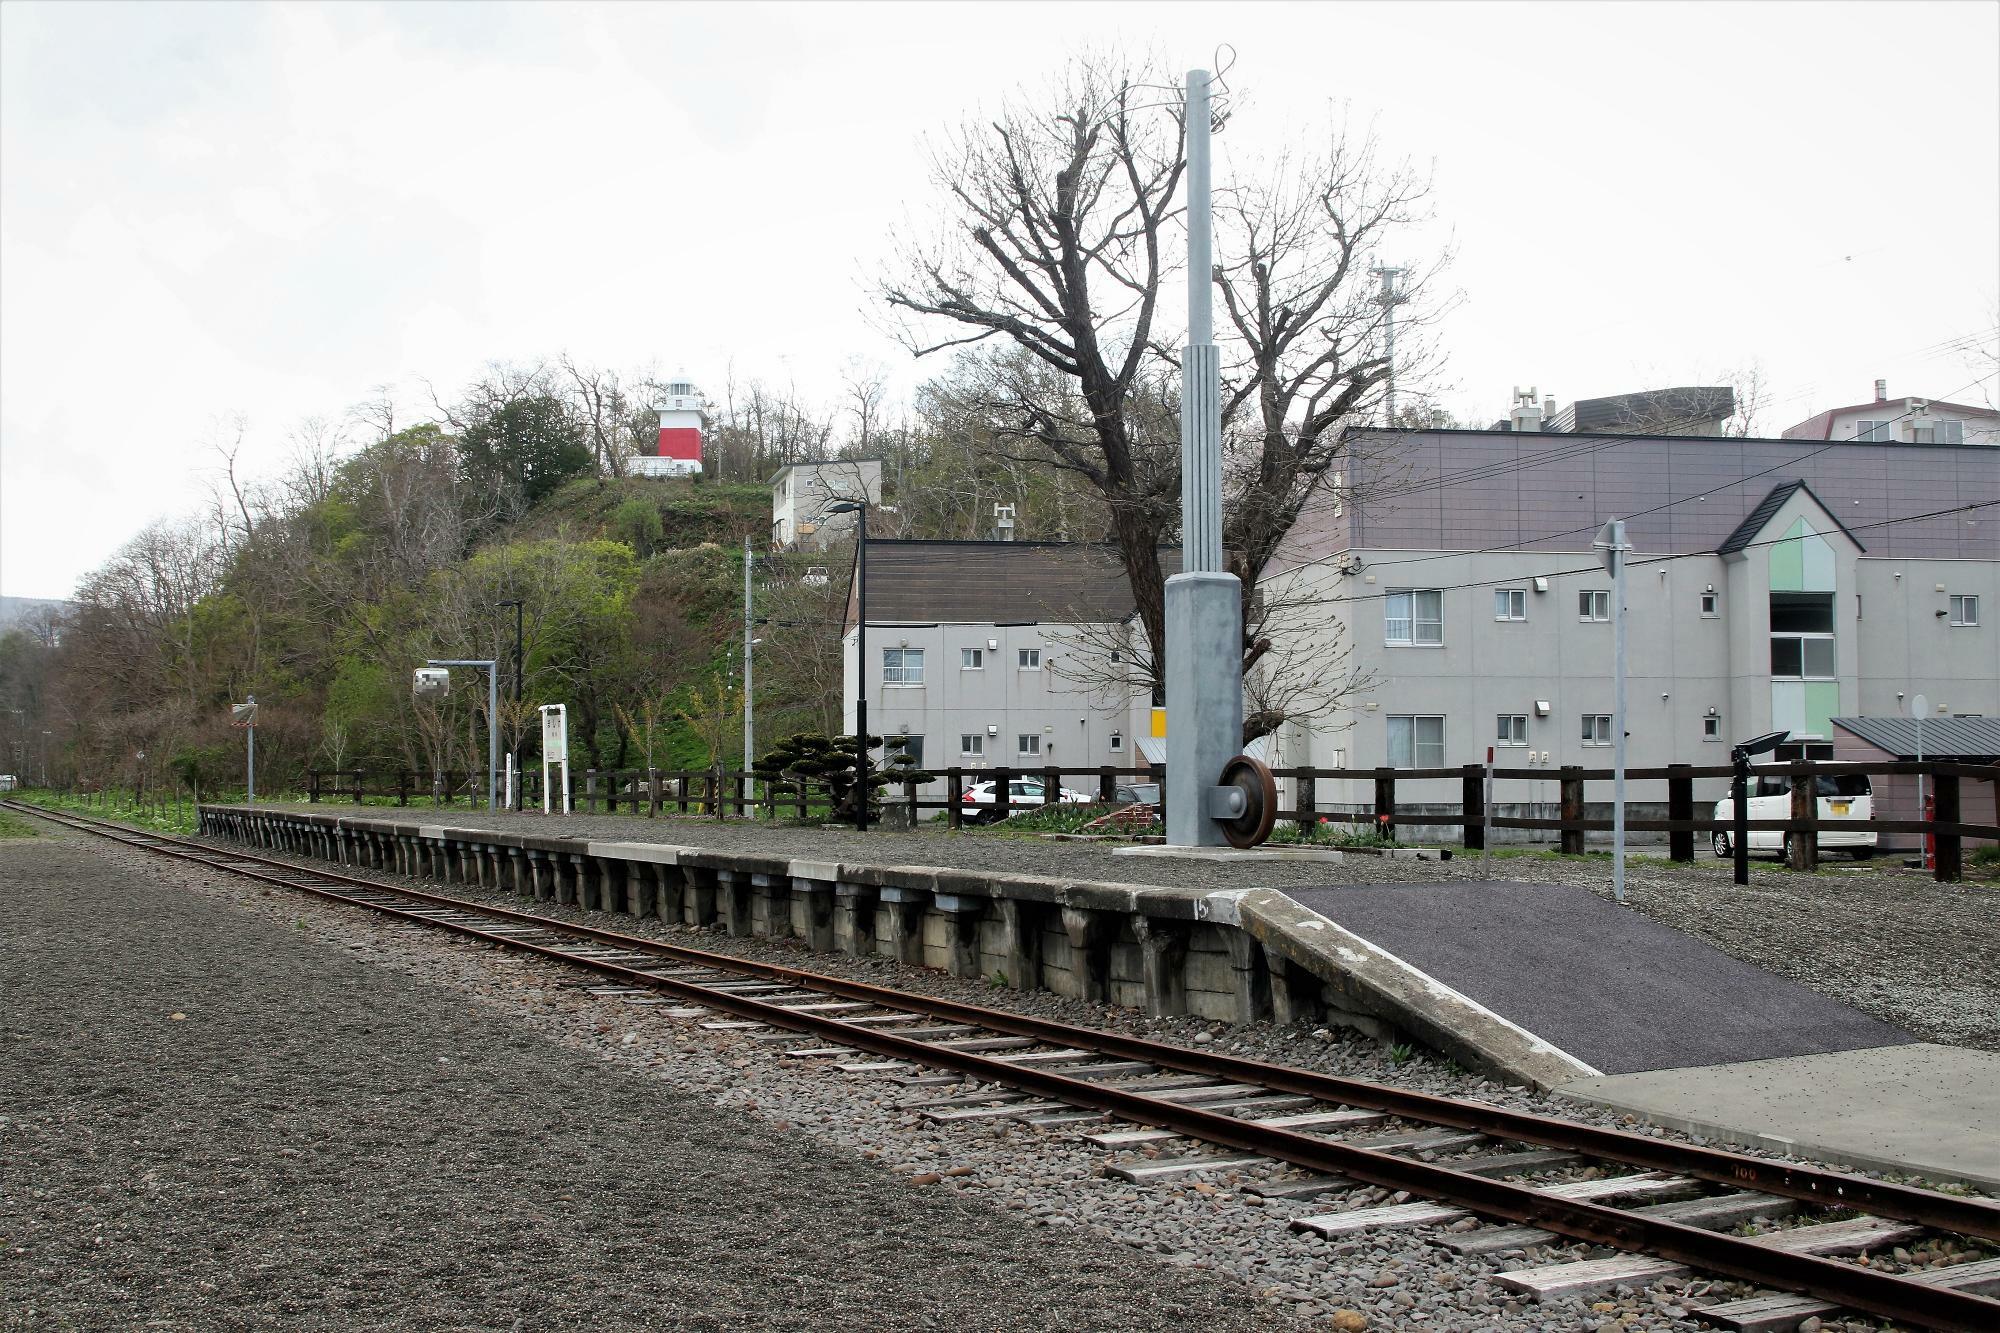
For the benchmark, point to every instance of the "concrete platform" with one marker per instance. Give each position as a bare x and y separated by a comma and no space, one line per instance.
1618,992
1919,1108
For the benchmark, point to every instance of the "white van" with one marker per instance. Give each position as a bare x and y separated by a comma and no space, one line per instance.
1846,804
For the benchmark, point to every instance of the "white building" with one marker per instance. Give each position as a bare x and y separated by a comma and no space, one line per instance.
997,654
1770,587
1887,420
802,492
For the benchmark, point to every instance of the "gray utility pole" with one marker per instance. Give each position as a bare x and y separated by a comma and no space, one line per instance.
492,669
749,725
250,755
1612,538
1389,298
1204,605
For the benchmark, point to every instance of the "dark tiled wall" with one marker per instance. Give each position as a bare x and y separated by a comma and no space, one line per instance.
1470,490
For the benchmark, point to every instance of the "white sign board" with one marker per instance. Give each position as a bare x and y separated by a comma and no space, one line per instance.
555,734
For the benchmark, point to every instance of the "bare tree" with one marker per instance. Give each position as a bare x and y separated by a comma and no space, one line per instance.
606,413
1056,243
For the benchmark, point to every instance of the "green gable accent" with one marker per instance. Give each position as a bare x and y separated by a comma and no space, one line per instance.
1788,560
1822,706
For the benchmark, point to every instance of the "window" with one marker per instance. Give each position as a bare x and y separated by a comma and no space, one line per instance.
1413,618
1117,742
1510,603
1030,659
1513,729
1710,603
1597,728
972,745
1711,728
1802,635
1029,746
972,659
1877,432
1416,742
1593,604
1964,610
912,746
1938,432
902,666
1802,657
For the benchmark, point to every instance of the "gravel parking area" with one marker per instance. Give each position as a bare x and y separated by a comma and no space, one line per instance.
1894,944
287,1117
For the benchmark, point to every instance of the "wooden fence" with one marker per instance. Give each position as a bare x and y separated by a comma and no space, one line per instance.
717,795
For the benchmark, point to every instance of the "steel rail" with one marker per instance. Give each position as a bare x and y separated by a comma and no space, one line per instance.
1844,1284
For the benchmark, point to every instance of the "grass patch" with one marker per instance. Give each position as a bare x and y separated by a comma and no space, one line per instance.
1326,833
122,807
13,826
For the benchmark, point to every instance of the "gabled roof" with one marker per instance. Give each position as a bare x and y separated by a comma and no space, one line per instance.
981,583
1767,509
1819,426
1944,737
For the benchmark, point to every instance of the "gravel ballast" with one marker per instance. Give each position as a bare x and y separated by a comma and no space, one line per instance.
286,1117
1894,944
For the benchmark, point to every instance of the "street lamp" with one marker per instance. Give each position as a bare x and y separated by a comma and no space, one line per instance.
1739,795
514,750
426,686
860,512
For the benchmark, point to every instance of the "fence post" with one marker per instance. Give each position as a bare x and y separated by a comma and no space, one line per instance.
1472,807
1107,785
1572,810
1944,807
590,791
1804,845
1051,787
312,786
1157,774
402,786
1003,793
1308,802
910,795
954,798
1385,807
742,794
1680,805
712,786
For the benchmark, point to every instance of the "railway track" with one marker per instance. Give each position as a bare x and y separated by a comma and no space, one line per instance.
1484,1179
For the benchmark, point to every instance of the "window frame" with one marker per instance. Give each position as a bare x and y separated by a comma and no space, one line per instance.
1515,597
902,669
1412,619
1512,724
977,749
1711,605
1028,659
1587,602
1417,745
1961,602
1802,639
895,745
1022,747
1589,730
1711,729
972,659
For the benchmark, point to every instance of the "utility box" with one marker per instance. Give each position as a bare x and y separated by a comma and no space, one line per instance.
431,682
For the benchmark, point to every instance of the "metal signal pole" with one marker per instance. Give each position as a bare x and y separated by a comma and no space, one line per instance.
1389,298
749,726
1204,605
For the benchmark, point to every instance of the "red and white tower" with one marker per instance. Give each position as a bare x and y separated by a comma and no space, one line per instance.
683,424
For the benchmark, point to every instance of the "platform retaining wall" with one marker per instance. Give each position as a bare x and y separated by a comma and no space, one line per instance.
1237,955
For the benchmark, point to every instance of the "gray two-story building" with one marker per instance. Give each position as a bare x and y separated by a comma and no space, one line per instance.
1773,584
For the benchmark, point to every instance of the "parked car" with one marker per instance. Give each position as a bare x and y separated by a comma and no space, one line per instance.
1846,804
1139,793
1022,794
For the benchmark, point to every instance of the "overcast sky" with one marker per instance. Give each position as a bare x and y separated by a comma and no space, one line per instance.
267,210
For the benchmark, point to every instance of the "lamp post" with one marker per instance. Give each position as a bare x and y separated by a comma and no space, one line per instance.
860,512
492,669
1739,796
514,750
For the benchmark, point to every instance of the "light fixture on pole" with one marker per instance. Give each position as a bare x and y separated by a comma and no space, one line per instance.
434,683
1611,539
514,750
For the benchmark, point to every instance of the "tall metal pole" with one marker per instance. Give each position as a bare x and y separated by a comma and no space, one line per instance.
493,736
1616,555
861,663
749,707
515,751
250,755
1204,605
1388,299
